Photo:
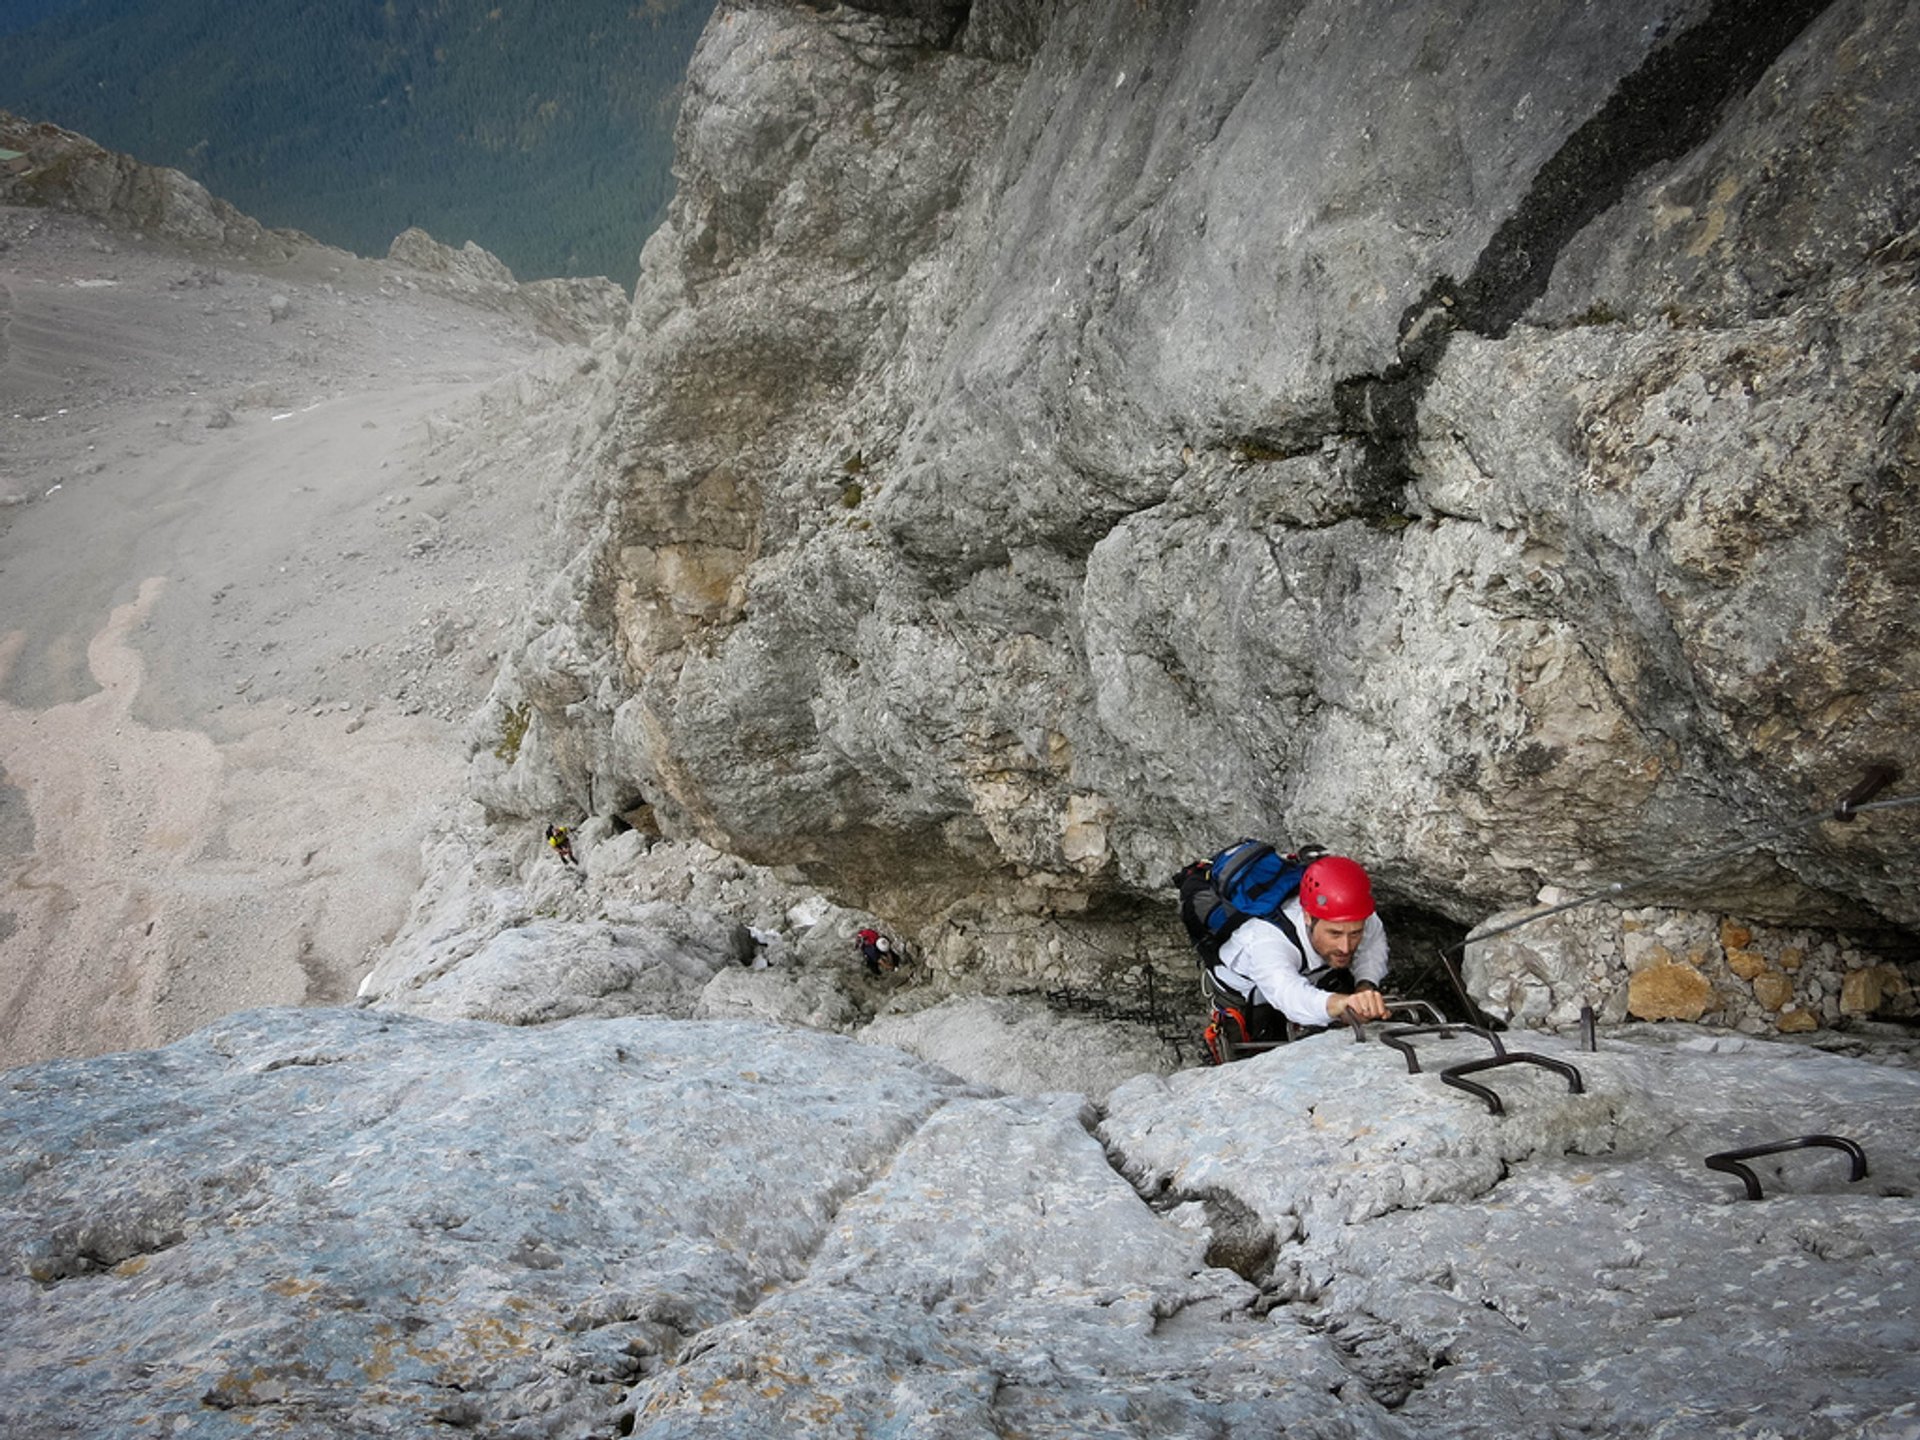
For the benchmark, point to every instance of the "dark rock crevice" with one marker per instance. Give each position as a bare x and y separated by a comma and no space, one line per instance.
1240,1239
1392,1363
1667,107
940,22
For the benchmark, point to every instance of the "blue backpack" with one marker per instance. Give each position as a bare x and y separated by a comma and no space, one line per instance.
1246,881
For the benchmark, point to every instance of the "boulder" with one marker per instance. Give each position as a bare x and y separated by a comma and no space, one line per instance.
1669,992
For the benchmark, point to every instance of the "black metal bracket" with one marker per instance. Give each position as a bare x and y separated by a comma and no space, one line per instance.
1359,1026
1728,1161
1453,1075
1424,1012
1589,1041
1399,1035
1878,777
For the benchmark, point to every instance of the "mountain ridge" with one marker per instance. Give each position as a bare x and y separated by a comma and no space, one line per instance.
548,143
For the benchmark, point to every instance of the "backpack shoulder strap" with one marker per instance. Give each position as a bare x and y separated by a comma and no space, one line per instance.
1278,919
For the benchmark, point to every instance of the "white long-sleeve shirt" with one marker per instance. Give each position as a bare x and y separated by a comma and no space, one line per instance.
1262,963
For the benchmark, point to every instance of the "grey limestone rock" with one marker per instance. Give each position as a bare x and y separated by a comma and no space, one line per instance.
657,961
327,1222
1477,441
501,931
1023,1046
813,999
303,1221
70,172
574,310
1499,1236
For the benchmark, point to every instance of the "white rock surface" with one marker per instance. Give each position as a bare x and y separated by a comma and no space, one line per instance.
1021,1045
325,1222
658,962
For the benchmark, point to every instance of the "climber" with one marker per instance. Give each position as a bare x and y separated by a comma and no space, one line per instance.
880,954
562,844
1336,974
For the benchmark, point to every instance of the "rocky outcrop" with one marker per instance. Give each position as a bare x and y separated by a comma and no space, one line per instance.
70,172
572,310
1681,965
334,1222
66,171
673,928
1049,445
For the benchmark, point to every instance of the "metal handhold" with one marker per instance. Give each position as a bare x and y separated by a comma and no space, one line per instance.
1728,1161
1425,1012
1392,1003
1397,1038
1453,1073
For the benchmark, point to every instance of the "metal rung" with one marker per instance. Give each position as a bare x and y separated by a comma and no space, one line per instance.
1419,1008
1359,1026
1453,1073
1397,1038
1728,1161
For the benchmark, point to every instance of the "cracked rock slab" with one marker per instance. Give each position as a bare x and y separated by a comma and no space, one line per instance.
1000,1278
301,1219
1573,1256
306,1223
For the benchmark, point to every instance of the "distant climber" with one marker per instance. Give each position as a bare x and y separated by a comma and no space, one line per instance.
881,955
1286,937
562,844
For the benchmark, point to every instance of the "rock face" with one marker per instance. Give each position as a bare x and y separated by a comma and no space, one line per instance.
1680,965
507,933
332,1222
70,172
1022,1046
1053,440
572,311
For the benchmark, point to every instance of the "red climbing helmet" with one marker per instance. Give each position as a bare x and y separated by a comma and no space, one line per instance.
1335,888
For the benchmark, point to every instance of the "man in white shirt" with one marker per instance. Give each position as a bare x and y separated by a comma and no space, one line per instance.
1330,924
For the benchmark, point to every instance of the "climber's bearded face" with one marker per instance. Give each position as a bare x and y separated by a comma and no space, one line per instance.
1336,941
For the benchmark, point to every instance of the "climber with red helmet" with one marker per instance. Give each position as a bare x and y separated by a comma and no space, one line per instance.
1325,935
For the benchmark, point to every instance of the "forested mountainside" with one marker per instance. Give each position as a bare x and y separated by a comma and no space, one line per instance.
25,14
545,135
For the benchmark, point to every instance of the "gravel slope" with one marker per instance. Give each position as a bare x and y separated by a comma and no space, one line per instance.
261,533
